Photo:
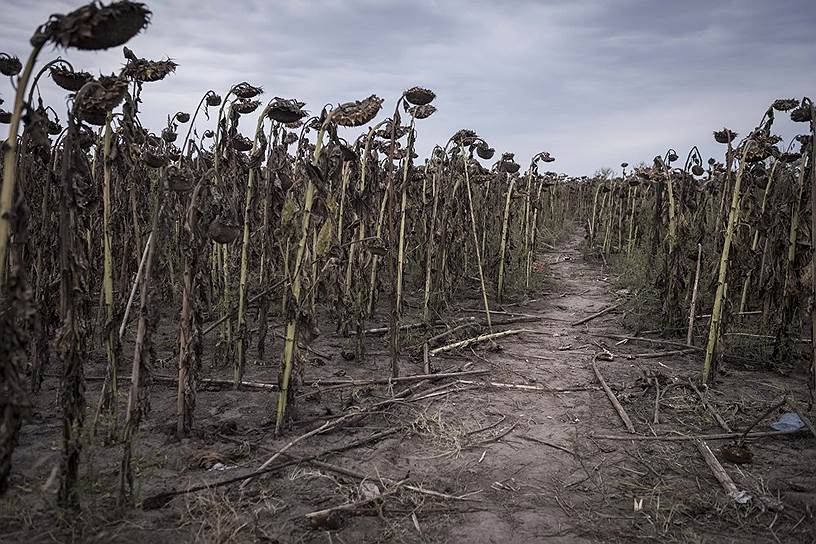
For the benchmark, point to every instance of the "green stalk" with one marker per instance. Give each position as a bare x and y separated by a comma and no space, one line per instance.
503,244
108,271
10,162
242,282
716,312
476,241
291,326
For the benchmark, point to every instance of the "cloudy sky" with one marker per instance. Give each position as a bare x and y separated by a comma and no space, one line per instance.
595,82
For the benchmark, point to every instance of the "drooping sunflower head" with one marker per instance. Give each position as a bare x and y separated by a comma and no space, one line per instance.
68,79
286,111
95,26
419,96
422,112
357,113
10,65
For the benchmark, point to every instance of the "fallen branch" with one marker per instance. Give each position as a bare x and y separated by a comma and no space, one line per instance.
526,387
401,379
683,437
323,518
550,444
160,499
648,340
612,398
719,472
213,382
477,340
658,354
720,421
596,315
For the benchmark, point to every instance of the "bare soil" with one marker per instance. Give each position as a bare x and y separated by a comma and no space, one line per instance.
465,461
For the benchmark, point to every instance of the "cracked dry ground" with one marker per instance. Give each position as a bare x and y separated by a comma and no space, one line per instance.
477,463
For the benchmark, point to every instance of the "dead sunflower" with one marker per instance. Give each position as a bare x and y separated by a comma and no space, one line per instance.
96,26
169,135
290,139
508,164
419,96
5,116
182,117
697,170
358,113
422,112
147,71
245,105
784,104
223,231
724,136
102,98
213,99
485,151
465,137
68,79
245,90
9,65
801,114
285,111
241,143
152,154
178,180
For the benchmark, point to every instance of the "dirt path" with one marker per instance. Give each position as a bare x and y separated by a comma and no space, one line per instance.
485,464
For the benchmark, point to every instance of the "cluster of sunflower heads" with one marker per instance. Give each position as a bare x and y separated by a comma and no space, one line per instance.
102,98
94,26
357,113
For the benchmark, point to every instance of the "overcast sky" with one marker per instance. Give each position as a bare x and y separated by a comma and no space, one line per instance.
594,82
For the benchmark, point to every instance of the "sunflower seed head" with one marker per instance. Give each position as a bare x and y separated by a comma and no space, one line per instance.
785,104
801,114
724,136
245,90
95,26
419,96
68,79
213,100
144,70
358,113
245,105
10,65
422,112
285,111
484,151
465,137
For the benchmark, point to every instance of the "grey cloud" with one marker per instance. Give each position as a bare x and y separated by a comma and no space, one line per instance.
595,82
